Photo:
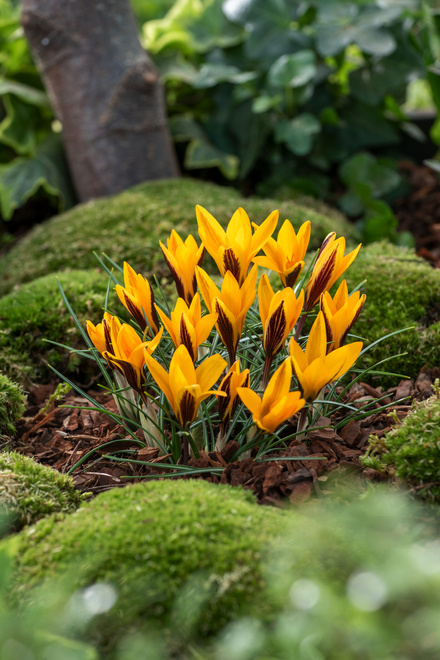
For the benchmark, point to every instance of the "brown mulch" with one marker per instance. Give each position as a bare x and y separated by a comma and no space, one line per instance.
63,436
419,212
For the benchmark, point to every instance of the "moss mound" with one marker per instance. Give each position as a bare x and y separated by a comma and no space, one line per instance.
128,226
12,404
402,291
410,452
157,544
29,491
356,580
36,312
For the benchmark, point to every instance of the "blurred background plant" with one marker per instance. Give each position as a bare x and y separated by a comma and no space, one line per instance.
32,162
280,98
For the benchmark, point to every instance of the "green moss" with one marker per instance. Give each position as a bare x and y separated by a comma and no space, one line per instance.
156,543
29,491
402,291
129,226
348,581
35,312
12,404
410,452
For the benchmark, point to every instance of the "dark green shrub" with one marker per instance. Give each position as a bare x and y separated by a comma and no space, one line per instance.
279,93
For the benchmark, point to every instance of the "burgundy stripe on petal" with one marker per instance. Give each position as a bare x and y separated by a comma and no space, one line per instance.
230,262
225,330
276,327
185,337
187,409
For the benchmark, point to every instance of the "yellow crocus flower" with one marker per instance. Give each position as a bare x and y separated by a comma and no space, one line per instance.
340,313
182,258
187,326
278,312
184,386
233,380
329,266
100,334
128,354
277,403
313,367
234,249
231,304
137,297
286,255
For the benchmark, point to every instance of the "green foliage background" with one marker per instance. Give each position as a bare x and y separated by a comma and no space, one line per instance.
271,96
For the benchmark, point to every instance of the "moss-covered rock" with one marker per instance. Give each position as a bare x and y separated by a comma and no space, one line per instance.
403,291
158,544
12,404
36,313
129,226
410,452
29,491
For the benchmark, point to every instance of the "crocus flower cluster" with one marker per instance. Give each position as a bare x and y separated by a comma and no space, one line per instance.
214,352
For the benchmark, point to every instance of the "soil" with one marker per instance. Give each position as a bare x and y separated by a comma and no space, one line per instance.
65,437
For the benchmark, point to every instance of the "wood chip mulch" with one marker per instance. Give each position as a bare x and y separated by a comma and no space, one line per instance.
63,436
419,211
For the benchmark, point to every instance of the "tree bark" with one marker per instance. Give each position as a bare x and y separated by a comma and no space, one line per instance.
104,90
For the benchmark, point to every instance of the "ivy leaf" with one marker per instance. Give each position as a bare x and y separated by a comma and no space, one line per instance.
18,128
213,74
200,153
297,134
26,93
23,177
293,70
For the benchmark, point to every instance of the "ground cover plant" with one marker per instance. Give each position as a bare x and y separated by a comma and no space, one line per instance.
30,491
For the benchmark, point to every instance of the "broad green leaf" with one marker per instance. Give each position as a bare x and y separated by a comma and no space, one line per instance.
266,102
18,128
366,169
249,132
200,154
20,179
270,27
214,29
175,67
213,74
297,134
293,70
184,128
364,127
329,116
374,41
333,39
351,204
25,93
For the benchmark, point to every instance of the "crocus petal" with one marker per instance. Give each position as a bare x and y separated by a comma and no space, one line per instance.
209,371
264,231
251,400
285,408
317,341
161,377
279,384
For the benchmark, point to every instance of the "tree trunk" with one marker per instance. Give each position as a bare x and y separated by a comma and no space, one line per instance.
104,90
